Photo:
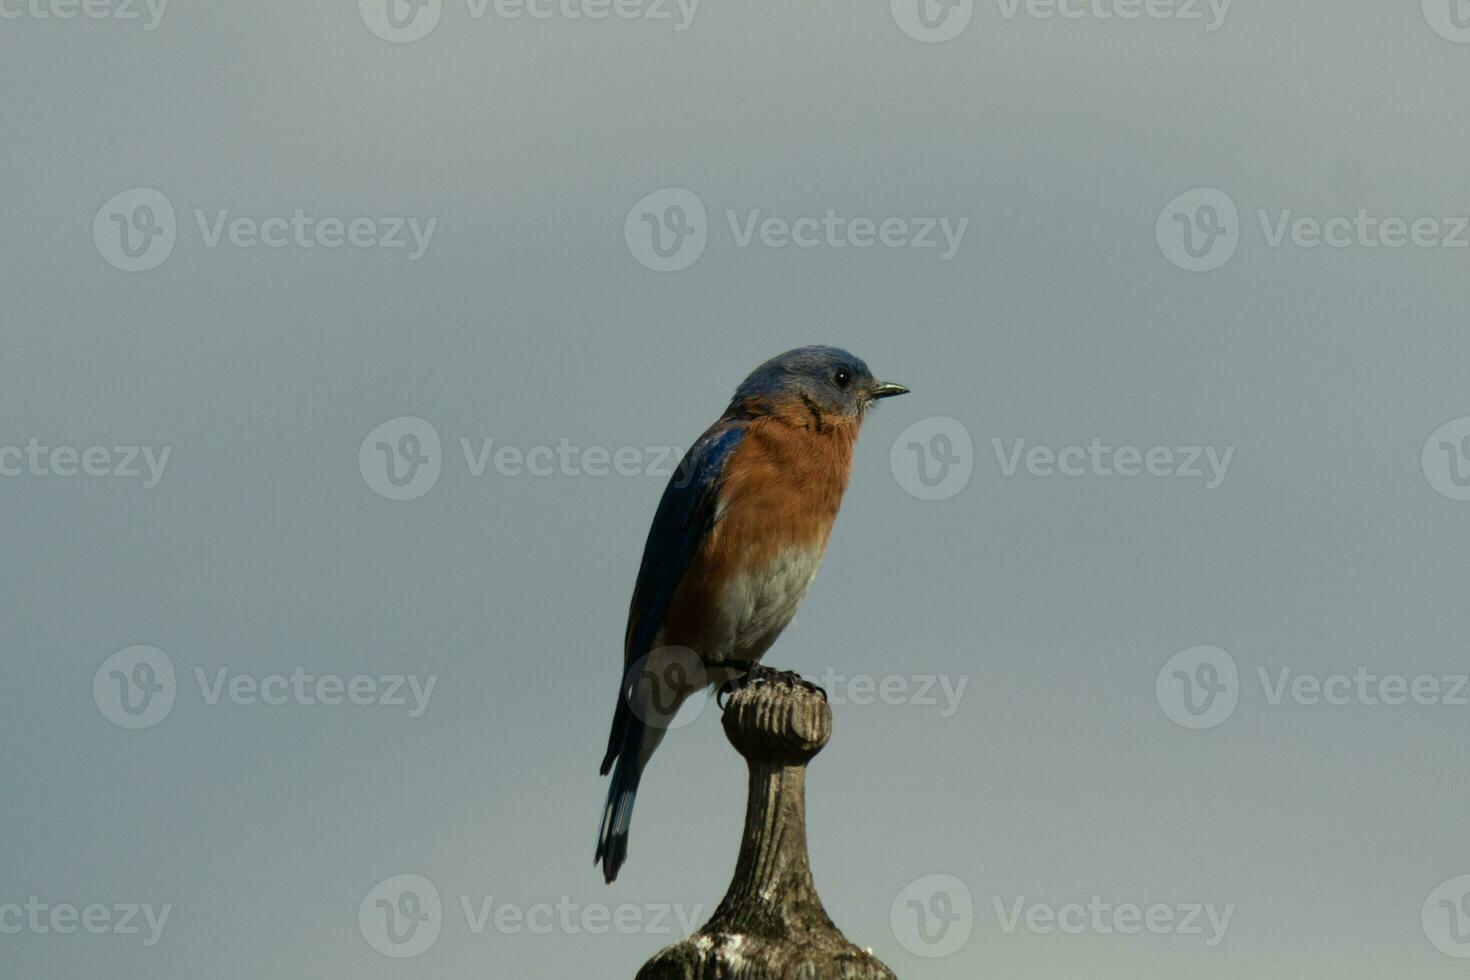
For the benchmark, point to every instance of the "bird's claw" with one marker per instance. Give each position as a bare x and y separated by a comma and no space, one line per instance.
751,673
754,673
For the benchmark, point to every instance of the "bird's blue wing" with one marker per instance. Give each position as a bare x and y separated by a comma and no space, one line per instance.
685,515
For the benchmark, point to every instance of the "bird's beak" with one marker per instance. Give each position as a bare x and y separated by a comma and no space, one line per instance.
887,389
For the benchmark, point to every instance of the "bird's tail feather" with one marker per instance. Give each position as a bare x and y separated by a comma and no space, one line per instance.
621,717
627,746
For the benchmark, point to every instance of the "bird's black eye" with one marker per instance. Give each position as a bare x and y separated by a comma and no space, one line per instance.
842,379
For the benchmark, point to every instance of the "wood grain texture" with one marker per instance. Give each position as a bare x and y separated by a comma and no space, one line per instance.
771,924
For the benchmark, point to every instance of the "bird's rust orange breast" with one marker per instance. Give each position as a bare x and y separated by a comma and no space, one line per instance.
781,490
783,486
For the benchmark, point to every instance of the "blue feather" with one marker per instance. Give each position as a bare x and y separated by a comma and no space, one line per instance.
686,512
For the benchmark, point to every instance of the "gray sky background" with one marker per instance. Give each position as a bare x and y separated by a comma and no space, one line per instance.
528,320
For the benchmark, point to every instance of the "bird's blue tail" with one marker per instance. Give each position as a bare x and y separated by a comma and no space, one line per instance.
625,745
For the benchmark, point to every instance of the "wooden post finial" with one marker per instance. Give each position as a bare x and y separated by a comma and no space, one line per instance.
771,924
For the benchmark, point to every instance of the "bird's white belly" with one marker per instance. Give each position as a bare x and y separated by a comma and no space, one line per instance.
757,605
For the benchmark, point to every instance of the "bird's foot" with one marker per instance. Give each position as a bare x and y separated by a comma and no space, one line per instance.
754,673
748,672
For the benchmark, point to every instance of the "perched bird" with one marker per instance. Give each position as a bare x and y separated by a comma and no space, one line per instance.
734,546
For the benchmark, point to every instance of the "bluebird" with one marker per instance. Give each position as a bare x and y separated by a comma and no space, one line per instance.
734,546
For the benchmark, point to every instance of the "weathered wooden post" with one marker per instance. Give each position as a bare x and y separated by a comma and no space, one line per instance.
771,925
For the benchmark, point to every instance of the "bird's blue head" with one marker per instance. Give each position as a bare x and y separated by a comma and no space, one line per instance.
826,381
